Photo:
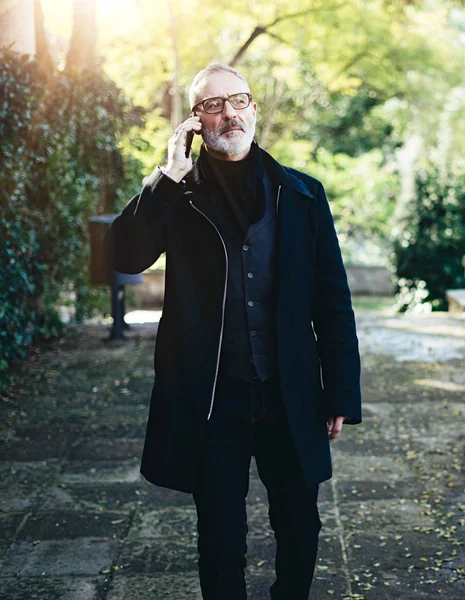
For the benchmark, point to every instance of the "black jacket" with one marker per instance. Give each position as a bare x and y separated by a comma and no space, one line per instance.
315,325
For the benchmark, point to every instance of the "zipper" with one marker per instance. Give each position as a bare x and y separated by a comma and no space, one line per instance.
223,308
224,295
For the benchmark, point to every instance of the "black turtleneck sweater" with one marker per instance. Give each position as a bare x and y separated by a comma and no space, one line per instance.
239,187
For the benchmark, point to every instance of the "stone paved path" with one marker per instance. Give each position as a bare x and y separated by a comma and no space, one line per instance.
79,523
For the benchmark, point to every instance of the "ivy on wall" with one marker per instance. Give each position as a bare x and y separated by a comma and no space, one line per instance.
60,163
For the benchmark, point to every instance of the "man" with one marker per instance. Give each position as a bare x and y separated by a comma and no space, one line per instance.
256,351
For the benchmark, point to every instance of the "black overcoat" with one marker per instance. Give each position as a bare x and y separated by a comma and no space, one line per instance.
317,346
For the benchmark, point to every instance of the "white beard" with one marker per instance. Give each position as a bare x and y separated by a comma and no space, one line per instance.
230,146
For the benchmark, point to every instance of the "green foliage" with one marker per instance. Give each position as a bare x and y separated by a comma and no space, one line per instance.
340,87
362,192
428,252
61,163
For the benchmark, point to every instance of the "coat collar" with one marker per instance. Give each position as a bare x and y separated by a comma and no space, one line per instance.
283,176
279,174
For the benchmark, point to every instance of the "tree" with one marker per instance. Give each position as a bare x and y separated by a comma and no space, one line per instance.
42,46
340,86
17,26
22,28
82,48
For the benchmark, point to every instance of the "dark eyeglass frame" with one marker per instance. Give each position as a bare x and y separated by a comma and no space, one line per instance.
223,100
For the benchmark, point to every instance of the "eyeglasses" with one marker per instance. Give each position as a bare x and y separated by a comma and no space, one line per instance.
216,105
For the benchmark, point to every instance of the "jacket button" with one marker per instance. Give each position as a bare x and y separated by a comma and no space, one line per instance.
253,333
250,303
250,275
245,247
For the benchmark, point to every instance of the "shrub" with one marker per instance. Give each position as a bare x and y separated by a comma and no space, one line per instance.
61,163
428,252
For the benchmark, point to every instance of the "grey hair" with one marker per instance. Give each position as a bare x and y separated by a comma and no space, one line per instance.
205,73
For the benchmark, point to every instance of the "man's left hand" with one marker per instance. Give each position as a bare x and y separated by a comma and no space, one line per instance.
335,426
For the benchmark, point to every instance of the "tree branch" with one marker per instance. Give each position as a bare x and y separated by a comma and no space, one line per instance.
316,95
351,63
260,29
242,50
279,38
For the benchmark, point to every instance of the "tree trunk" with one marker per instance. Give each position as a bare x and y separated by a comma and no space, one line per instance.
175,95
17,26
82,48
42,46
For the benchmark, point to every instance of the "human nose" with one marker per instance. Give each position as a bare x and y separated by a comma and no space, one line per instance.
228,110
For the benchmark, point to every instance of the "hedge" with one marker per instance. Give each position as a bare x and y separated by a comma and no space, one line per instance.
428,253
61,162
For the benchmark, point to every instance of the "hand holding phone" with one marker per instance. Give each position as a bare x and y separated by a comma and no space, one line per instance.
189,138
179,148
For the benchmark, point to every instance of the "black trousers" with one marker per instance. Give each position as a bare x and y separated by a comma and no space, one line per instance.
249,419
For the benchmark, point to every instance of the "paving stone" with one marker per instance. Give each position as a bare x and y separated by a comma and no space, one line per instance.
103,449
28,474
263,548
123,498
75,476
159,555
116,430
183,586
258,581
52,588
130,393
326,583
9,523
413,550
425,418
101,471
70,524
376,490
413,584
357,444
325,493
82,556
330,554
165,523
17,497
114,414
37,443
384,516
171,586
178,553
57,411
153,495
374,468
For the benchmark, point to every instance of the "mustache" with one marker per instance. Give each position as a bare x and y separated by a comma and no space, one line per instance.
229,125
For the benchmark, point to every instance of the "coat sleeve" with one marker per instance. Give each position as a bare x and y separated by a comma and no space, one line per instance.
137,236
334,323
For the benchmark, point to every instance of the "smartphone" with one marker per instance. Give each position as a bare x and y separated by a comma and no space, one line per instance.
189,139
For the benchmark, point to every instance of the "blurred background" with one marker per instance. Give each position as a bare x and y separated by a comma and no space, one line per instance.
367,96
